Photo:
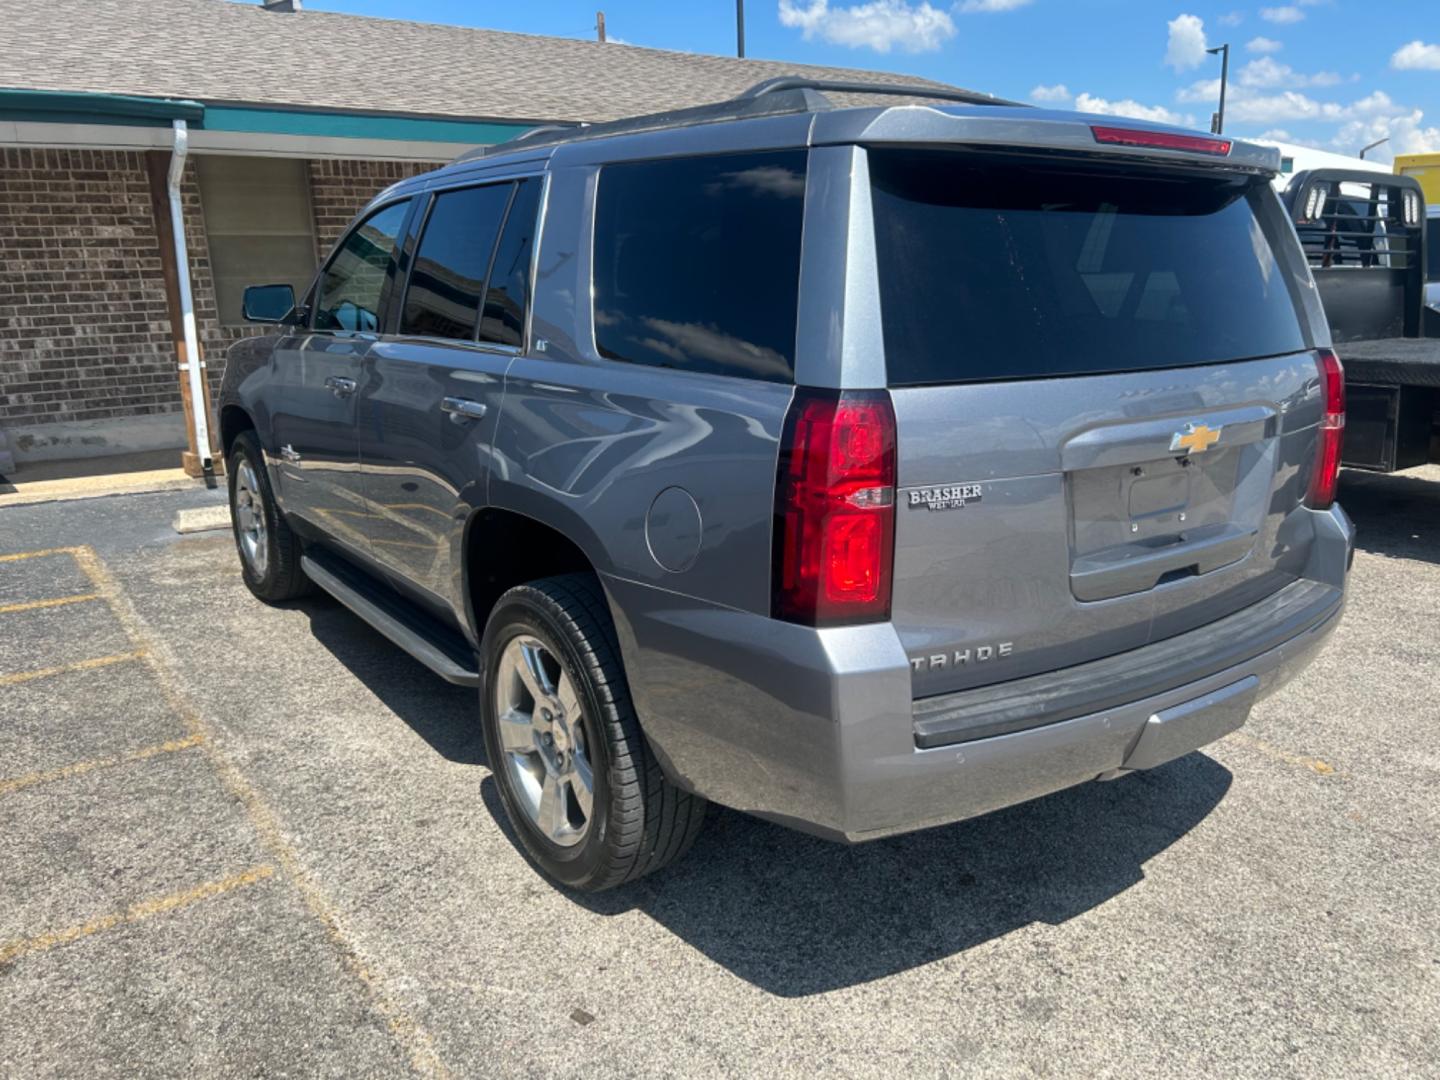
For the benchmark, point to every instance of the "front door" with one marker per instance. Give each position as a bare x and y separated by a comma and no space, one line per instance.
318,378
432,391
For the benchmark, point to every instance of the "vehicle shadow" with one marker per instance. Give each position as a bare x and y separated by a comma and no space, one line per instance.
795,915
1396,515
447,717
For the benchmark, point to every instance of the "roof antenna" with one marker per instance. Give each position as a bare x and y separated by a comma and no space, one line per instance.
600,25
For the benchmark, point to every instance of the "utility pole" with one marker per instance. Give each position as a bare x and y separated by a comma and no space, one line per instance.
740,28
600,25
1217,125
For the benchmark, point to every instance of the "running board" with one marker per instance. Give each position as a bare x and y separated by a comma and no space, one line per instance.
422,637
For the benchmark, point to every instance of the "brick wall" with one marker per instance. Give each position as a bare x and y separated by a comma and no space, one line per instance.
84,326
338,189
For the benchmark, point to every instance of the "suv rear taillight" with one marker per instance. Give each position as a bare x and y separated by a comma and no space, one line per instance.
1330,435
835,509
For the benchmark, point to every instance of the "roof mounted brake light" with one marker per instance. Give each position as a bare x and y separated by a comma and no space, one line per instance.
1161,140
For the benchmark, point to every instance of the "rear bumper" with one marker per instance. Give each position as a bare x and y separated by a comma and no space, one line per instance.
817,728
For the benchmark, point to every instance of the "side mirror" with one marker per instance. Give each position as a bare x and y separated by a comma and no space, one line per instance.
268,303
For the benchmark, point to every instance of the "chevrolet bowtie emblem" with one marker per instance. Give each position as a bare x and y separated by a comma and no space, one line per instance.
1195,439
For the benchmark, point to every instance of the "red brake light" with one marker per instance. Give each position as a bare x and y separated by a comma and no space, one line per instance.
1331,435
1161,140
835,509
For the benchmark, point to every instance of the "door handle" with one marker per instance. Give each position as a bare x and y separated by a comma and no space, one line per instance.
340,386
462,410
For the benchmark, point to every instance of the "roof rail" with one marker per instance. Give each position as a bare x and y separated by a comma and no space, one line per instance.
544,133
773,97
855,86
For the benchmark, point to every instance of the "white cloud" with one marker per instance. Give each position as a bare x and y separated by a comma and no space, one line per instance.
881,25
1186,47
971,7
1264,45
1282,16
1416,56
1134,109
1287,105
1405,130
1362,120
1265,73
1231,18
1051,94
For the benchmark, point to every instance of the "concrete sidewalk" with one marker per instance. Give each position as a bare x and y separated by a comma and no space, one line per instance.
89,478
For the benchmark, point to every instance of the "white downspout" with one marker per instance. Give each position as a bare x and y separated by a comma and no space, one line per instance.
199,407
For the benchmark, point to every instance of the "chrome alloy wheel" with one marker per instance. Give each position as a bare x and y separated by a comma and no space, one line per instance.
250,519
543,737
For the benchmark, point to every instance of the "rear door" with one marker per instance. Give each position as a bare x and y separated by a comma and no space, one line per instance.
432,390
1104,401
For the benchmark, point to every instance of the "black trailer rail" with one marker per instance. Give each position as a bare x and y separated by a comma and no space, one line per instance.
1364,237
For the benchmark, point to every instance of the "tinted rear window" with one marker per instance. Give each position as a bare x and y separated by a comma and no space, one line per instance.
998,269
449,273
697,263
508,292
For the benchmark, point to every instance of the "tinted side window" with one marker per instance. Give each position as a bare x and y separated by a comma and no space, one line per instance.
350,288
443,299
697,263
508,292
1432,249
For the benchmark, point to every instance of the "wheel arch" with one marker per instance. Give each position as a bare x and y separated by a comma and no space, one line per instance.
504,548
233,420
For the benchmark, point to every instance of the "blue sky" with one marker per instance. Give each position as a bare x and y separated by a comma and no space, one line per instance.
1331,73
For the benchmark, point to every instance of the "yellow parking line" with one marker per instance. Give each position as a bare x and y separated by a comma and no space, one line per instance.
36,605
78,665
81,767
1324,768
134,913
408,1031
38,554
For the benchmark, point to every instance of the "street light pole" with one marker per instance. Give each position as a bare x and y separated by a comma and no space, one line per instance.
1372,146
740,28
1218,127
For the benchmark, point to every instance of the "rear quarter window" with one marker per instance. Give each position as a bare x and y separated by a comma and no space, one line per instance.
997,268
697,263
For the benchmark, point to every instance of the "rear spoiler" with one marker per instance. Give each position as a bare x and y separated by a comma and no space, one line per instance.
1365,247
1045,131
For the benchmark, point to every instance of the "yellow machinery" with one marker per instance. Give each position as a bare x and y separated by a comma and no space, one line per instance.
1424,168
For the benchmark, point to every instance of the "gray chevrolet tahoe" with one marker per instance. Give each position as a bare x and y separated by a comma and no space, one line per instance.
864,469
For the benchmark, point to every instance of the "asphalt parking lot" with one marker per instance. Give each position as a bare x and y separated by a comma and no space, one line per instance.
246,840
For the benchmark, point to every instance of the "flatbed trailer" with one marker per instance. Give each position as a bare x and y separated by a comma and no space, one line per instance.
1393,403
1364,237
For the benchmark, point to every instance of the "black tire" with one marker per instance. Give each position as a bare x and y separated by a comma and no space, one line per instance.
640,821
277,576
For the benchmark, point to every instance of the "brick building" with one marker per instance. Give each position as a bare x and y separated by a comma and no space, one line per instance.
293,120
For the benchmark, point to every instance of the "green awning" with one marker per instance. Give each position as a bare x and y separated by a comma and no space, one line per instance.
76,107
